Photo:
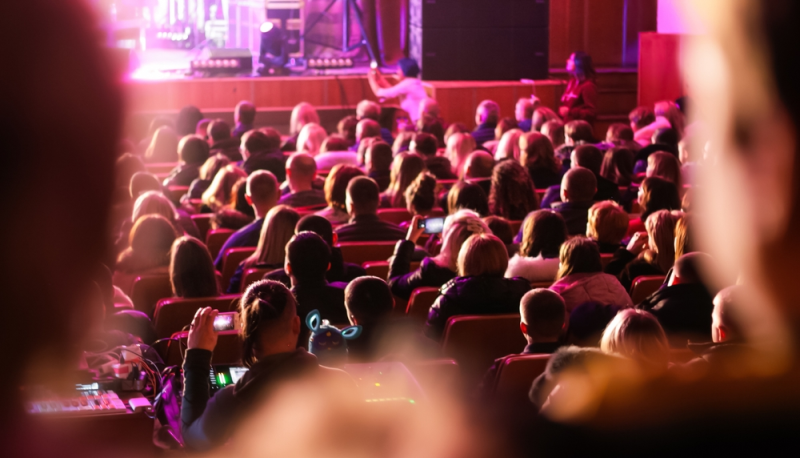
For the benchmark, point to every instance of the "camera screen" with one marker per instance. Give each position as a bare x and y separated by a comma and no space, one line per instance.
434,225
223,323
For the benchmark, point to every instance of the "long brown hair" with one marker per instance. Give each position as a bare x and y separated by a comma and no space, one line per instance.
191,269
618,166
536,151
512,194
336,184
263,306
543,232
578,255
405,168
150,241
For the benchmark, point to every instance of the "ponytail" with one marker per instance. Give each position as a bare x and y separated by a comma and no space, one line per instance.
264,303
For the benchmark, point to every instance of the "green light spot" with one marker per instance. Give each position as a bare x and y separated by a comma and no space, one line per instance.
411,401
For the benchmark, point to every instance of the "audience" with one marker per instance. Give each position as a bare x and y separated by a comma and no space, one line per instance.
362,206
554,130
523,112
538,157
636,334
433,126
509,146
244,115
193,152
301,171
405,168
150,242
618,166
512,195
221,141
163,146
427,146
459,147
310,139
665,166
654,194
155,203
667,115
347,129
575,133
487,116
607,225
191,269
479,168
336,193
467,196
261,150
186,122
211,167
501,228
303,113
591,158
220,192
141,182
421,195
578,188
369,304
543,232
378,163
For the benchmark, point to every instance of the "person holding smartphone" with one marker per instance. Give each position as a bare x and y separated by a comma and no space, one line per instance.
409,87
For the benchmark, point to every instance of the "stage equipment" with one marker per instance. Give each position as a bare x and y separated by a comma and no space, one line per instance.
348,7
223,62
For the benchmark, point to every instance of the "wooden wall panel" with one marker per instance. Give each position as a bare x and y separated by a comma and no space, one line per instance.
659,68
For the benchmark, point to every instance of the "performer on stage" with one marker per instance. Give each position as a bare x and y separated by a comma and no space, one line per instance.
580,97
409,88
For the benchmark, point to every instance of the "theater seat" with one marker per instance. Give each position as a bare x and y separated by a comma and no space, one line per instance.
147,290
475,341
251,276
380,269
173,314
174,193
361,252
215,238
228,350
231,260
203,223
515,375
394,215
420,303
644,286
606,258
515,225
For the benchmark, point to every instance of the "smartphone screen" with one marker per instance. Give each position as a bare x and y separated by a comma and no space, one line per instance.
226,321
432,225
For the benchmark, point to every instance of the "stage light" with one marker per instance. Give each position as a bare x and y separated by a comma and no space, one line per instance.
273,53
266,27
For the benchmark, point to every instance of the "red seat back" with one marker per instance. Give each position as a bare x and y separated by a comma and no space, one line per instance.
231,260
147,290
515,375
420,303
203,223
251,276
394,215
644,286
215,238
173,314
380,269
361,252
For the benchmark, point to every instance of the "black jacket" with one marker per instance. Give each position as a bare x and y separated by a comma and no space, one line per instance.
484,133
229,148
273,161
182,175
382,178
576,215
543,177
326,297
684,311
369,228
440,167
478,295
403,283
606,190
626,267
340,271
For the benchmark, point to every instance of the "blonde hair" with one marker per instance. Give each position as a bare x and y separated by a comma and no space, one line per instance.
213,165
219,193
457,228
153,203
661,230
310,139
459,147
636,334
482,254
669,110
303,113
277,230
608,223
509,145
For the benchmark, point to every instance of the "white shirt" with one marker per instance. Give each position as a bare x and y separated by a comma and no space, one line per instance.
411,93
536,269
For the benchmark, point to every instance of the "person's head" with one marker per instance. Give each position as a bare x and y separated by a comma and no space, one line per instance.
577,132
334,143
578,255
303,113
368,301
270,325
153,203
219,192
618,166
405,168
670,110
228,218
661,233
186,122
458,227
501,229
664,165
724,324
541,116
262,191
347,128
191,269
523,109
276,232
488,112
588,157
503,126
244,113
509,145
125,167
201,130
424,144
150,242
429,107
310,139
684,240
536,151
240,202
336,185
619,133
213,165
378,157
607,223
363,196
367,128
468,196
636,334
479,164
454,128
578,185
688,268
408,67
142,182
163,146
657,194
433,126
580,66
308,258
640,117
367,109
402,142
554,130
420,195
318,225
218,130
512,194
543,232
193,150
482,254
255,142
542,315
301,169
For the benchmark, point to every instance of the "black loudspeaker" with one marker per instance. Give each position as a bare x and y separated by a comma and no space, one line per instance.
480,39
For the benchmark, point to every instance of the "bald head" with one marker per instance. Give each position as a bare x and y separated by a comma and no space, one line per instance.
578,185
263,191
367,128
688,266
301,166
479,164
367,109
723,319
488,112
542,315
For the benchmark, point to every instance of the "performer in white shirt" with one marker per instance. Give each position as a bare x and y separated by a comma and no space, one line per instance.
409,88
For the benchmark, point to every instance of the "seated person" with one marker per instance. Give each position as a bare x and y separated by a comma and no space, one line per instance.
221,141
191,269
537,259
426,146
637,335
193,153
480,288
437,270
420,196
334,152
307,261
150,242
478,168
378,162
369,304
685,305
335,190
607,226
501,229
149,203
261,150
367,109
363,198
654,194
587,322
405,168
591,158
467,196
366,128
578,188
512,194
301,171
244,115
576,132
537,155
487,116
262,192
270,330
339,270
206,175
581,279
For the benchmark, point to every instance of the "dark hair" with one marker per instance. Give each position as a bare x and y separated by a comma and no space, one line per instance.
256,141
228,218
409,67
369,300
318,225
264,308
142,182
619,132
512,194
219,130
273,138
590,157
581,184
426,144
642,116
246,111
500,228
538,152
583,66
191,269
667,136
468,196
543,232
334,142
308,255
380,156
188,117
421,193
618,166
193,150
579,131
578,255
431,125
544,313
364,194
150,242
125,167
588,321
658,194
336,184
347,128
238,194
